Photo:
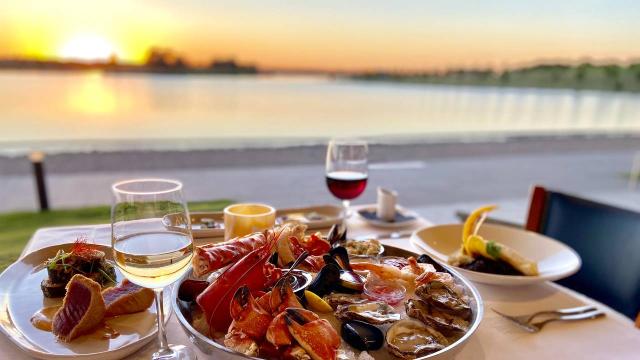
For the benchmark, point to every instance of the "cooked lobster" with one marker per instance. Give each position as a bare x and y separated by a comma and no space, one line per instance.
212,257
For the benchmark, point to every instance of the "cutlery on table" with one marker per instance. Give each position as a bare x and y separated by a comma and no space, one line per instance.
391,235
527,322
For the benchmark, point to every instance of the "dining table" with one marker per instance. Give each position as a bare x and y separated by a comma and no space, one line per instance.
611,337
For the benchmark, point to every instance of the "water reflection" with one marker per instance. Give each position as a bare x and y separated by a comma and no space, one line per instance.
68,106
90,95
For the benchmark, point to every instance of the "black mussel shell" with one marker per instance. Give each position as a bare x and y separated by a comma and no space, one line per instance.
326,280
337,234
426,259
328,259
350,282
361,335
190,289
340,253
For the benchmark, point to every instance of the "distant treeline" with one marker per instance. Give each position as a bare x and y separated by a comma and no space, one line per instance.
159,60
583,76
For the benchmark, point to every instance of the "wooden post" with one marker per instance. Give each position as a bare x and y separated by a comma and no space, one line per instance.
37,159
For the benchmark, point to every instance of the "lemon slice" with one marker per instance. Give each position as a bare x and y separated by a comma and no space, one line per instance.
316,303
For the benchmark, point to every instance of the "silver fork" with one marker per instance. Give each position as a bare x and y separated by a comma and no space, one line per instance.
570,314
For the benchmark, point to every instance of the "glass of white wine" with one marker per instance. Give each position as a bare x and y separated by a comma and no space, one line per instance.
147,252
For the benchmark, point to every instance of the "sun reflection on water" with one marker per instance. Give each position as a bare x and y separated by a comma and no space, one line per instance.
91,95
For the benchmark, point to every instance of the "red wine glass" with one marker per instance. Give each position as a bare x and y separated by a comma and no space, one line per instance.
346,169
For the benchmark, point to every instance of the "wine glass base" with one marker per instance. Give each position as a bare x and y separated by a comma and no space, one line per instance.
175,352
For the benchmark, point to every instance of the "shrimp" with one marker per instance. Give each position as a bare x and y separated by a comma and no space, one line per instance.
407,274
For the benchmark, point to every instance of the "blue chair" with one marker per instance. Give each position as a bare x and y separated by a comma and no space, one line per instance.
606,237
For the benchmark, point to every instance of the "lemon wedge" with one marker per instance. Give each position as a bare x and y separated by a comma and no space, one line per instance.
316,303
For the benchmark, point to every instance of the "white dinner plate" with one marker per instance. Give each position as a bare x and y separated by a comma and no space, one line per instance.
555,259
21,297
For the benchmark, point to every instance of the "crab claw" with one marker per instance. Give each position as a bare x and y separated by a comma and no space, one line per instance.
282,296
248,317
316,336
278,333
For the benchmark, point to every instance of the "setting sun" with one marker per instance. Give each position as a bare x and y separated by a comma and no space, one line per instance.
87,47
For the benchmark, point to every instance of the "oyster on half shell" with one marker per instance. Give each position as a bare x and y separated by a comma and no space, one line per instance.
375,313
409,339
442,320
443,297
337,299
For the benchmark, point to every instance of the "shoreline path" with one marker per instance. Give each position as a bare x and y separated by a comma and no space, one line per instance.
435,178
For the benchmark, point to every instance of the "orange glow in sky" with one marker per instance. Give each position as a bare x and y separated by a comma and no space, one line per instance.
329,34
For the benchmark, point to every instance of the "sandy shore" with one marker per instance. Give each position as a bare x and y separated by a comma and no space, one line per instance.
74,163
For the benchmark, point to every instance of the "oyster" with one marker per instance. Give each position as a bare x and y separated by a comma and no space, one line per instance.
376,313
336,299
443,297
409,339
439,319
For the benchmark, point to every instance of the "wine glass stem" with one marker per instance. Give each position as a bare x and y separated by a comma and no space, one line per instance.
162,337
346,204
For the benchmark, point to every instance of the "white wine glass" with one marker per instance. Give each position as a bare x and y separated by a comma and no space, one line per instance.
347,169
145,250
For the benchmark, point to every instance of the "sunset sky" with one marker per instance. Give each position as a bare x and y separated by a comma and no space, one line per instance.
328,34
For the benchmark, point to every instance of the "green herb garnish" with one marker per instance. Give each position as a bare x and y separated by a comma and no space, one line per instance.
60,256
104,273
493,249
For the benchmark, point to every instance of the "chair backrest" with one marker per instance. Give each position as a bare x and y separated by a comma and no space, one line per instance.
606,237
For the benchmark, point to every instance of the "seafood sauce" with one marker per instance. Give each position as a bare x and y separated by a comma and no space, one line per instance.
105,332
43,318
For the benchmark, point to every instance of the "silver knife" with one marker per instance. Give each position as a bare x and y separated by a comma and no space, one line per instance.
391,235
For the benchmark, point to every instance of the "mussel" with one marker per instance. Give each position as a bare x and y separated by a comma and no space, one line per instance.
375,312
361,335
341,254
441,320
409,339
326,280
336,275
337,234
349,279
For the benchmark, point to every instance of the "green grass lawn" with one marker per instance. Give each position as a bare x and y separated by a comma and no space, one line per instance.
16,228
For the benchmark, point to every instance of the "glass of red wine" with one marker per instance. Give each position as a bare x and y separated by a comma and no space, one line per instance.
346,169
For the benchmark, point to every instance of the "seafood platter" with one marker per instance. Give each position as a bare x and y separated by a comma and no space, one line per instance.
283,294
70,301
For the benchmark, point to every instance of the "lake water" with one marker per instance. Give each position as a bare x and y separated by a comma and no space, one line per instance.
82,111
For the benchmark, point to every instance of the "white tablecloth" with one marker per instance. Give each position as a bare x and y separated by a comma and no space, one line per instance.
612,337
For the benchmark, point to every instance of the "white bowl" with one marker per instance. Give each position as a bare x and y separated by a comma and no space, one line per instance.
555,259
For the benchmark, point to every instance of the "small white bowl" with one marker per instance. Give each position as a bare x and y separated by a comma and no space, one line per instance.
555,259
